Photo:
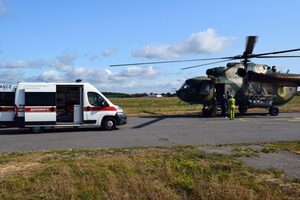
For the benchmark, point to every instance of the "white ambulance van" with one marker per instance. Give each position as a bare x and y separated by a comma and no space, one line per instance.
7,104
41,105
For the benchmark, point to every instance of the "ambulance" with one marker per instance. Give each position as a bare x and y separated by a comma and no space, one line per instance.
44,105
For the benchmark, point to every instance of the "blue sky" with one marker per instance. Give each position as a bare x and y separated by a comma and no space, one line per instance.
62,40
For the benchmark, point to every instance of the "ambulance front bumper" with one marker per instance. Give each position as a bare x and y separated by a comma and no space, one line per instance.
121,118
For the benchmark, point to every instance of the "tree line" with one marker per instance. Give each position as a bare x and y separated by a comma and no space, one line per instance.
135,95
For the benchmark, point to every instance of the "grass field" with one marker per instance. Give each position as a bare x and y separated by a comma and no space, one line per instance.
182,172
172,105
138,173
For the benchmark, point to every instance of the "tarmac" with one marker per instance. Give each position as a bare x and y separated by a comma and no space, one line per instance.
158,131
286,161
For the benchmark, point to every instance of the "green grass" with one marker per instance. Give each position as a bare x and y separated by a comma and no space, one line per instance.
155,106
293,146
137,173
172,105
292,106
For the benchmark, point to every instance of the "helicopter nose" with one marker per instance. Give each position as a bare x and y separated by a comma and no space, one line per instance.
181,95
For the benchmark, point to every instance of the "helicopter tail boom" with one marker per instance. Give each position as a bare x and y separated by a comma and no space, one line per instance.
281,79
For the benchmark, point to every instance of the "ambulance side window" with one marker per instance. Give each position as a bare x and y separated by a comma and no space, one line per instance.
7,98
95,99
40,99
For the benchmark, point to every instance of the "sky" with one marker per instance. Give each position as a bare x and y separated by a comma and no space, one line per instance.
65,40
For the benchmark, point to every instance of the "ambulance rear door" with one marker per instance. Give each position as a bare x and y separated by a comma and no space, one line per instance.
40,104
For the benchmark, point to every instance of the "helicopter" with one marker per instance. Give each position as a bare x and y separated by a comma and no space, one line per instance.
252,85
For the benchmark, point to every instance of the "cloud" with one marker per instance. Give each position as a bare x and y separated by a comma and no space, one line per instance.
129,80
105,53
2,8
48,76
11,76
88,74
63,62
197,43
108,52
63,69
144,72
67,58
93,56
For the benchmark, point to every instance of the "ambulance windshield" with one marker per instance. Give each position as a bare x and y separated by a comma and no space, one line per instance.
96,99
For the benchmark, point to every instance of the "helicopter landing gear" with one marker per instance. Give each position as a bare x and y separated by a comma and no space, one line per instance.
213,111
274,111
205,111
210,111
243,109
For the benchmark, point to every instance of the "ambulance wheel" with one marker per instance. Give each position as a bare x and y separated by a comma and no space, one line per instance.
37,129
274,111
109,123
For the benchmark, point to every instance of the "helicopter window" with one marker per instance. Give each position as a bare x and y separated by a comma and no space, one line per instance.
204,87
185,86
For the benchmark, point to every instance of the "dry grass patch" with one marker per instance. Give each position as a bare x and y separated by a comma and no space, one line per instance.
137,173
293,146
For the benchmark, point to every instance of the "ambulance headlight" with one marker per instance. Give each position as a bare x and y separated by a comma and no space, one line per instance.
119,109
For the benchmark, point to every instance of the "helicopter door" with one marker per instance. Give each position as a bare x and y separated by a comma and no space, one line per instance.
220,90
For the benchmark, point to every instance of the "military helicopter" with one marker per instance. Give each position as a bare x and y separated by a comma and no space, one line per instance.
252,85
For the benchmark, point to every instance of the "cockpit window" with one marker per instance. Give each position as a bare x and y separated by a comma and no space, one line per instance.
185,86
203,87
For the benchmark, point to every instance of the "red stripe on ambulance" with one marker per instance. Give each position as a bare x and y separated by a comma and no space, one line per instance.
107,108
7,109
51,109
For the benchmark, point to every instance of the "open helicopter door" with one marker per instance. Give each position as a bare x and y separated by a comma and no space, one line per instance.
220,90
40,105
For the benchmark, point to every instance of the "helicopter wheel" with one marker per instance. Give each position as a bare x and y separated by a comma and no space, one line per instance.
243,109
274,111
205,111
212,111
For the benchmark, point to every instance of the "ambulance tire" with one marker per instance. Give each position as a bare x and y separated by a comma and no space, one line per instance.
37,129
109,123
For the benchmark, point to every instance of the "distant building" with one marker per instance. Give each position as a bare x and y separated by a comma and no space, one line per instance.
155,96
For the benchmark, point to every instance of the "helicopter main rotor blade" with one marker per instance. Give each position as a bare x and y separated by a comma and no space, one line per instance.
250,45
245,57
168,61
207,64
274,52
278,57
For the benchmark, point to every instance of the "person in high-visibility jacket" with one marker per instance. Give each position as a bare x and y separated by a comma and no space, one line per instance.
231,107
